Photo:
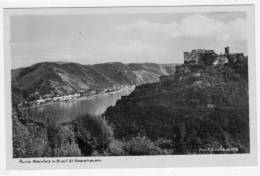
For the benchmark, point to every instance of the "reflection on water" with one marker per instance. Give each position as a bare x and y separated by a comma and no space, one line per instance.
65,111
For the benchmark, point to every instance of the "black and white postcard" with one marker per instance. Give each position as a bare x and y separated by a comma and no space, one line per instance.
125,87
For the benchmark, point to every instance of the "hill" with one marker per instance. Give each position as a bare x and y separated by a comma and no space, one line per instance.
200,109
58,78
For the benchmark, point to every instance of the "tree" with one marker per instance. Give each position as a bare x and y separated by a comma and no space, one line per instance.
22,142
92,133
65,144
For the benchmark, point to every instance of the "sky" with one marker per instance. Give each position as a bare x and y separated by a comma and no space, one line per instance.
126,38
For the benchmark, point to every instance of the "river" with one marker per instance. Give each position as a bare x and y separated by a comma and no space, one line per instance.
65,111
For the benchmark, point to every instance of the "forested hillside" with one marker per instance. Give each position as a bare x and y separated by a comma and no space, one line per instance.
199,107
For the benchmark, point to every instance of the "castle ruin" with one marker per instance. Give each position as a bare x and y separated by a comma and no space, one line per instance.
201,57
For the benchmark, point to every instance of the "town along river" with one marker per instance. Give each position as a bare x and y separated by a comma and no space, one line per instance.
65,111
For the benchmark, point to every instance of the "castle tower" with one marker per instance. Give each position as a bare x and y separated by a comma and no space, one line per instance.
227,51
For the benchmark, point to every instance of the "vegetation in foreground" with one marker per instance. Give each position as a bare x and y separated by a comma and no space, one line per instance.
86,135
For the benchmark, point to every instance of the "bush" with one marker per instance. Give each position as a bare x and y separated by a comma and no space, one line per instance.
40,143
116,148
92,133
65,144
52,130
141,146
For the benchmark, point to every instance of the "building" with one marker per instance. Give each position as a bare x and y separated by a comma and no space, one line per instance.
195,56
226,51
236,57
40,101
209,57
221,59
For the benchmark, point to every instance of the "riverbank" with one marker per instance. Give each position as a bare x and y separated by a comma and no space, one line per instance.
89,97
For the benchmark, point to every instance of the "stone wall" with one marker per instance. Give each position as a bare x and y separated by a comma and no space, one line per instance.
194,56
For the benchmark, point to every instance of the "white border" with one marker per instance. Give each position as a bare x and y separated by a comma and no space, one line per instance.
223,162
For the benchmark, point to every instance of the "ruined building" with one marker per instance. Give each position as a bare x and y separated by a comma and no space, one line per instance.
209,57
222,58
235,57
194,57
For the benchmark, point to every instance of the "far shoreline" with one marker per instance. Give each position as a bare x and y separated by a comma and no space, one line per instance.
80,98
